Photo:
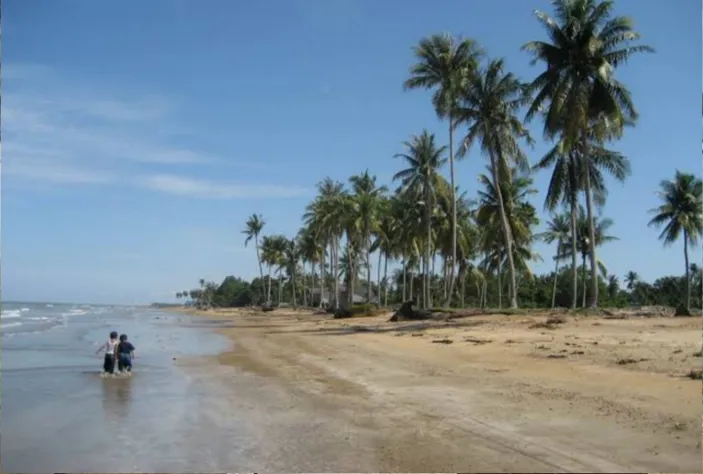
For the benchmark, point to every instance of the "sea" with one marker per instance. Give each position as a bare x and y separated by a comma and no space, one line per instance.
178,412
60,415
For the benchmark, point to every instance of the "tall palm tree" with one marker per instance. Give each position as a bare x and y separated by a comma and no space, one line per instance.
421,179
564,187
613,286
443,64
290,259
521,217
326,216
631,279
312,251
269,258
254,226
557,230
366,202
587,241
680,213
489,108
572,173
578,86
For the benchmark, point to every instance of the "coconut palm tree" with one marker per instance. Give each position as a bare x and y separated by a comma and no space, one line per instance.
564,187
521,217
365,202
290,259
613,286
578,86
443,64
421,179
385,244
557,230
254,225
325,215
312,251
631,279
681,215
273,254
586,235
572,173
489,108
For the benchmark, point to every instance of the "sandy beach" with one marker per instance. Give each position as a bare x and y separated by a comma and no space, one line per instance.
479,393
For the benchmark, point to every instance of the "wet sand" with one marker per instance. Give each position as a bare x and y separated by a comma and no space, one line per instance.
484,393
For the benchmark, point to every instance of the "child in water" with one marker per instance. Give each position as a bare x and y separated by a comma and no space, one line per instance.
110,353
125,354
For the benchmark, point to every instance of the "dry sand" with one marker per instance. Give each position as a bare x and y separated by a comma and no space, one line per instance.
481,393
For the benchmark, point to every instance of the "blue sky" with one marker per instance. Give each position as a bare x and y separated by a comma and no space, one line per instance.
138,136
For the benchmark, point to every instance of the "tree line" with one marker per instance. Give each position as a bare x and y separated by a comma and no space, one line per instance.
454,249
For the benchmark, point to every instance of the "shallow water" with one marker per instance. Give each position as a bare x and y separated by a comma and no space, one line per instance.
60,415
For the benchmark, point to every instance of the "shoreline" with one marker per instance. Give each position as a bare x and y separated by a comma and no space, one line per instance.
486,392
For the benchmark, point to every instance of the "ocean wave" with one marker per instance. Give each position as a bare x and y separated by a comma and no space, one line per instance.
49,305
10,325
74,312
39,318
10,314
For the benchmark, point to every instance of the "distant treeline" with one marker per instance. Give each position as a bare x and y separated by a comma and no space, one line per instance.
474,291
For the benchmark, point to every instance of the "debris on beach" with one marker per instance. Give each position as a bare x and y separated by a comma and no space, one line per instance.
477,341
407,313
695,374
442,341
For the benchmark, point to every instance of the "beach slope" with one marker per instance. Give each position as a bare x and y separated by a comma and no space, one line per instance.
480,393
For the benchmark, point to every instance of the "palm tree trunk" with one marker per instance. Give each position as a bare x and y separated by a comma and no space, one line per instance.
500,289
322,277
583,281
292,281
385,282
352,275
431,277
688,279
378,277
336,272
405,271
280,290
591,244
312,284
268,300
448,296
556,275
428,211
507,236
574,266
445,277
261,268
412,281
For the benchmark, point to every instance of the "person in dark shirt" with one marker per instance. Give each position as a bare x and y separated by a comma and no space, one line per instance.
125,354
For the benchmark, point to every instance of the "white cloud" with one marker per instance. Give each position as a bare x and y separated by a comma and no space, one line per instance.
73,132
200,188
57,174
56,132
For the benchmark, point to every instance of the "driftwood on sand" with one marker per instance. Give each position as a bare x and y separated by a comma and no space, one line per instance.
407,313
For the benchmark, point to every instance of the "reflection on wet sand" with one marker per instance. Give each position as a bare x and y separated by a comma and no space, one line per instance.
117,396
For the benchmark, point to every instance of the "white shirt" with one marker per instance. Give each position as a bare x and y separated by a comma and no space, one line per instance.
111,346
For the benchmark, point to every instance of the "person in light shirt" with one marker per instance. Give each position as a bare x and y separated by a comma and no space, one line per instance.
110,348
